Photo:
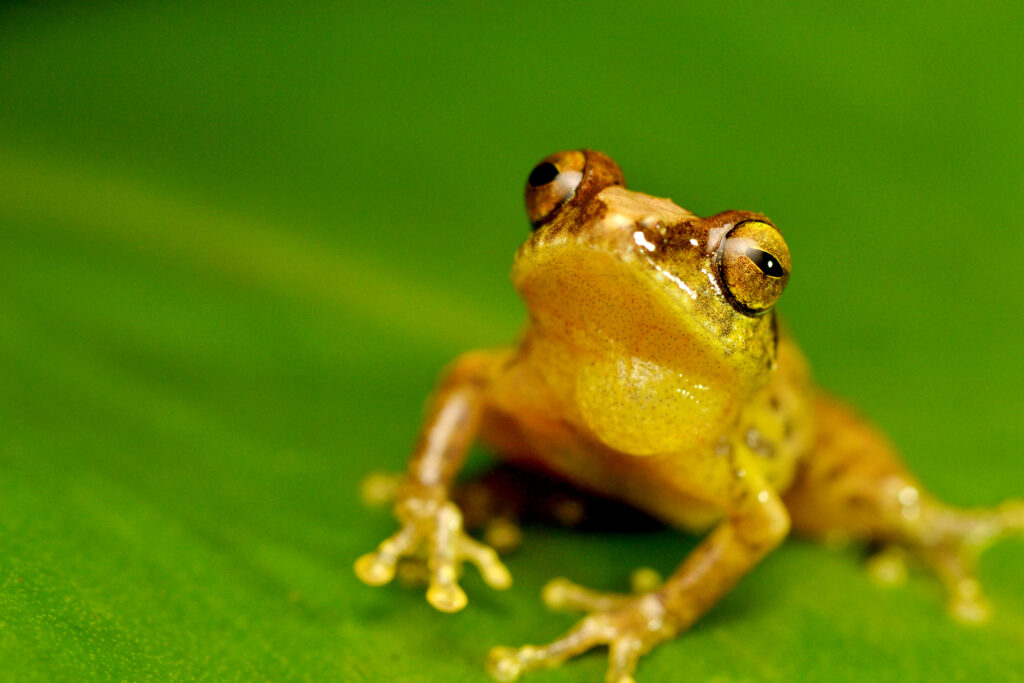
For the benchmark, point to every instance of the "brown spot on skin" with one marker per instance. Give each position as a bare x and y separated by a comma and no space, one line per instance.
678,236
775,331
858,502
755,546
836,472
585,216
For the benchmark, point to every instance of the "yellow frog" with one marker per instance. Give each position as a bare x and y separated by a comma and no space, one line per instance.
654,371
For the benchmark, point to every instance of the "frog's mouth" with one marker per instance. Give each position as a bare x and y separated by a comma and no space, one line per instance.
598,297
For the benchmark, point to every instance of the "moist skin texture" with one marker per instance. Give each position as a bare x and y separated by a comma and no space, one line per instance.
653,370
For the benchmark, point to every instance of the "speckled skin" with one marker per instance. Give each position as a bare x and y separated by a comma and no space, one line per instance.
653,370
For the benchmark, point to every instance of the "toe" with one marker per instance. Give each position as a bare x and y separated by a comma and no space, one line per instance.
889,566
378,568
503,664
967,604
563,594
486,560
374,570
622,658
446,597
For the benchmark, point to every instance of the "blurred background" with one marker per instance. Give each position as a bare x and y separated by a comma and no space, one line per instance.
239,240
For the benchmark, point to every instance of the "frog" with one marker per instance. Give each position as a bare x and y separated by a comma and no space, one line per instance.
654,371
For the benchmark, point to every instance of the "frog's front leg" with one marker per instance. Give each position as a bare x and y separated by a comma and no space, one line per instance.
756,522
431,524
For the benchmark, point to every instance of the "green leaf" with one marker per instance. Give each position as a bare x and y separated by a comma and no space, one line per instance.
237,244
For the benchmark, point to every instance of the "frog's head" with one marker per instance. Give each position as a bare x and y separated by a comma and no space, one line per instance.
624,275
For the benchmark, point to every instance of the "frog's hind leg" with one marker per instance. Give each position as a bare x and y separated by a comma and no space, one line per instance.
853,485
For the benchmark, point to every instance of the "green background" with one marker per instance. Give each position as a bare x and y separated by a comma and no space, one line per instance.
237,242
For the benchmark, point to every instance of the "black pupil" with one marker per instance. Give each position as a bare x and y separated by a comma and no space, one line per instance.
543,174
768,264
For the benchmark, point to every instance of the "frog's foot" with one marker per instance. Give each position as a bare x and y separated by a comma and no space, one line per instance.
954,567
888,566
950,540
432,527
629,625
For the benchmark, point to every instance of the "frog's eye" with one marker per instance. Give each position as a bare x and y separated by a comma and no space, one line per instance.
755,266
552,183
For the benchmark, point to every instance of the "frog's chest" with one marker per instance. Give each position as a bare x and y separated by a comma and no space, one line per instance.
534,420
669,488
529,422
